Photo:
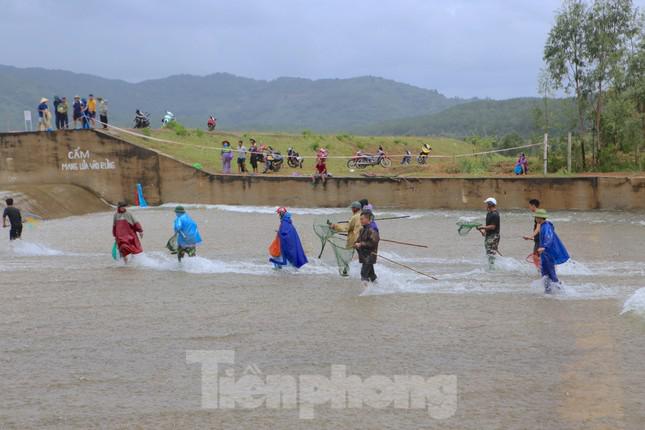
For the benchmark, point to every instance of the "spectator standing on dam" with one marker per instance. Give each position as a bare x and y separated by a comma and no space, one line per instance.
91,111
241,157
253,151
77,111
103,112
85,115
227,156
61,110
44,116
56,103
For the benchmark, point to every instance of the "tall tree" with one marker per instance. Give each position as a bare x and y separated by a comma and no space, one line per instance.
545,89
635,78
564,54
608,28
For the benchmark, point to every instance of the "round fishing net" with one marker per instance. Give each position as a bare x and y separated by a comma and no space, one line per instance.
338,243
465,227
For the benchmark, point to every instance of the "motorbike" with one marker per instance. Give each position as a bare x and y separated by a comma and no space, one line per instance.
423,156
294,159
167,118
274,161
141,120
212,123
362,161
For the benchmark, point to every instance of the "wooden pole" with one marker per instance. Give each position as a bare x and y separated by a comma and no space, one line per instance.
404,266
569,153
546,146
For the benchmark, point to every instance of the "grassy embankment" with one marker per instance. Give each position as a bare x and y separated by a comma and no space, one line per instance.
199,146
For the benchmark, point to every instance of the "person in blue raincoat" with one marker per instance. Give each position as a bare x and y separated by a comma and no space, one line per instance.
187,233
291,251
551,250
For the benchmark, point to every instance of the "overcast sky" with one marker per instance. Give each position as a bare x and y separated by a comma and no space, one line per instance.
465,48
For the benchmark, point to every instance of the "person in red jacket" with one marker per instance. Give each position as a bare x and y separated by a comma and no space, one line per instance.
320,172
124,230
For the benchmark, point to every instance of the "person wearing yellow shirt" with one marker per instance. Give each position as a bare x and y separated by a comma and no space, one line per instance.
91,110
352,228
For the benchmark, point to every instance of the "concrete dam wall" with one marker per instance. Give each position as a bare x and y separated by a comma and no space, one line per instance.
110,168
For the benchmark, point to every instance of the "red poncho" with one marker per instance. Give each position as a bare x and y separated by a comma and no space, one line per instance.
125,230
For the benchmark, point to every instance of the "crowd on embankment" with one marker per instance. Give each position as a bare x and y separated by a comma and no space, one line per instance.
84,112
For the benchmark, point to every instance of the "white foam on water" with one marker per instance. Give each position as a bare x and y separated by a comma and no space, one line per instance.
257,209
575,268
635,304
270,210
33,249
202,265
571,290
197,265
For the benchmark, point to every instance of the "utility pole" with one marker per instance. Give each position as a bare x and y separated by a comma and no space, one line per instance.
546,146
569,153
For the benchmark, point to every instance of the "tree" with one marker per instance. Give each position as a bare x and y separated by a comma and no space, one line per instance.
635,79
608,28
545,89
564,54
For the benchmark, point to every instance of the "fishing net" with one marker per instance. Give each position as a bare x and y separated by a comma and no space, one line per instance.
329,238
465,227
172,244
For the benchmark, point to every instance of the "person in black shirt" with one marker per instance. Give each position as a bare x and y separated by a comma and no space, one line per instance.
367,247
490,231
534,204
14,218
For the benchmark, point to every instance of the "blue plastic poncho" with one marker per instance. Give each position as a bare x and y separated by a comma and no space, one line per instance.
187,232
290,245
552,244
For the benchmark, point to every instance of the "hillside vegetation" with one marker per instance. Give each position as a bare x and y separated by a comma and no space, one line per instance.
484,118
284,104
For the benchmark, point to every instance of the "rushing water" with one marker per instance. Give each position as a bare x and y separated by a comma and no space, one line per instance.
87,342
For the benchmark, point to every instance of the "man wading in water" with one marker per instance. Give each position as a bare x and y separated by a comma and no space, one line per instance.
15,219
490,231
367,247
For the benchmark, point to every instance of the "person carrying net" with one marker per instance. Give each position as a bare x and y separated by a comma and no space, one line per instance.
352,229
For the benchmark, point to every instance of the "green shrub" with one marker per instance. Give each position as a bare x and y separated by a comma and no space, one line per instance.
146,131
199,133
180,130
473,165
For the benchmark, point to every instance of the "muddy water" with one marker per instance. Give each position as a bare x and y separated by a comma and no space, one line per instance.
86,342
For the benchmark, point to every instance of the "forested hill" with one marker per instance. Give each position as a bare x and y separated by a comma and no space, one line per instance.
523,116
287,104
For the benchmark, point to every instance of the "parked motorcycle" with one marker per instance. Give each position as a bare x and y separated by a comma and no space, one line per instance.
362,161
274,161
167,118
141,120
212,123
294,159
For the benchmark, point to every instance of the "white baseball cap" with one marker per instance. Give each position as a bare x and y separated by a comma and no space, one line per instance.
491,201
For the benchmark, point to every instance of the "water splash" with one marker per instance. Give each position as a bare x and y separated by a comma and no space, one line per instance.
33,249
635,304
